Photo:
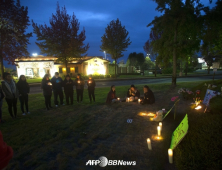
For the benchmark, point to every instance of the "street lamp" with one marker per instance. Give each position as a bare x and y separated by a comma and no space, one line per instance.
105,54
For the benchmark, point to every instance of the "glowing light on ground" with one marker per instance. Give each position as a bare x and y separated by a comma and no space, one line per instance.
198,107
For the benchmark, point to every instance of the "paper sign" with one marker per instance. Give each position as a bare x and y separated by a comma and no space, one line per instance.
179,132
209,94
216,65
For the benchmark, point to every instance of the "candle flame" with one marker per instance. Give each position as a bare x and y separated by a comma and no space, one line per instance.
198,107
170,151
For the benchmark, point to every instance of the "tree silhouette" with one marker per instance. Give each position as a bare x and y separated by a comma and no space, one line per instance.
61,38
14,21
115,40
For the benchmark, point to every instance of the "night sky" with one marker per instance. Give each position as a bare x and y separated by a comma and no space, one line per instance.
95,15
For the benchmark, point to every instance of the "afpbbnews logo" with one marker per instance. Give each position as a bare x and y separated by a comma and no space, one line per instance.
103,161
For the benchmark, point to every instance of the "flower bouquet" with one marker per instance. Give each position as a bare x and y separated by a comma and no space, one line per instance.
187,94
197,100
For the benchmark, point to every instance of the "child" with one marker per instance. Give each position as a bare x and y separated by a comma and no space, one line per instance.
79,82
133,93
111,97
47,91
68,89
148,96
23,88
91,88
11,93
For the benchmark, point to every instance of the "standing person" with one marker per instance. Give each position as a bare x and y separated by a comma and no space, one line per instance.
91,88
79,82
68,89
23,88
57,89
6,153
11,93
47,91
1,102
148,96
111,97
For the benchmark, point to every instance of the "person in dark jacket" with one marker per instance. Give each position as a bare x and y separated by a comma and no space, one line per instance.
1,102
91,88
133,93
68,89
47,91
111,97
148,96
57,84
23,88
11,93
79,83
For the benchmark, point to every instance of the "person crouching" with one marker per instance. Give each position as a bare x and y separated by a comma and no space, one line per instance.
148,96
111,97
133,94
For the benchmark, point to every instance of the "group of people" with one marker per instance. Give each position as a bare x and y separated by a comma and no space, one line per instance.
133,95
12,91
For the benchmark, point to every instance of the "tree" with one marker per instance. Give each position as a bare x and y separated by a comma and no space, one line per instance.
178,27
147,64
132,60
61,38
14,21
115,40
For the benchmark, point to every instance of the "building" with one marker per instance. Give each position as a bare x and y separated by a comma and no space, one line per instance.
40,65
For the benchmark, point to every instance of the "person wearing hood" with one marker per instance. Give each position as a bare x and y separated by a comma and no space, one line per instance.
6,153
57,84
79,83
68,89
111,97
47,91
23,88
91,88
1,102
10,91
133,93
148,96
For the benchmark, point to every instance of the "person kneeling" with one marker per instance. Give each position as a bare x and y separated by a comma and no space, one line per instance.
148,96
111,97
133,94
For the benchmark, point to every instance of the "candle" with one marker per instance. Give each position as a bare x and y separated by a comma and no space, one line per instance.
221,89
128,99
89,81
78,81
158,131
149,144
118,98
170,153
160,125
138,100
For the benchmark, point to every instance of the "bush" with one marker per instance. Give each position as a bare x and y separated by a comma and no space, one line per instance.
168,70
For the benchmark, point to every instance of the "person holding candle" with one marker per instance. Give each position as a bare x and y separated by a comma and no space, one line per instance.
57,84
47,91
111,97
133,93
23,88
6,153
148,96
11,93
91,88
79,82
68,89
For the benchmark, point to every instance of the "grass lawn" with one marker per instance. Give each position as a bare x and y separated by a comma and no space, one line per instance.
68,136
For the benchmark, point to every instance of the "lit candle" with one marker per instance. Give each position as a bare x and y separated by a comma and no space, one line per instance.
118,98
89,81
138,100
128,99
160,125
149,144
158,131
170,153
78,81
221,89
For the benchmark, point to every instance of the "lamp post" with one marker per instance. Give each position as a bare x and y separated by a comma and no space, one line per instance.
105,54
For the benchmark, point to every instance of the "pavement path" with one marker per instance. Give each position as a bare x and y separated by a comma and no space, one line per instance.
37,89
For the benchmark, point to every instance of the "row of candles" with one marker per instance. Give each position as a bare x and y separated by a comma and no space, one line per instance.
129,99
170,151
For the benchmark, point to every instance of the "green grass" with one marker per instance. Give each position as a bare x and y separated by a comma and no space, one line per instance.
68,136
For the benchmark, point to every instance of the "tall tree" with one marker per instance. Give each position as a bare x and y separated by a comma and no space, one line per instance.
178,26
62,37
14,21
115,40
131,61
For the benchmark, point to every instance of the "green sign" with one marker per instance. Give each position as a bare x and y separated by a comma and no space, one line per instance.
179,133
171,109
